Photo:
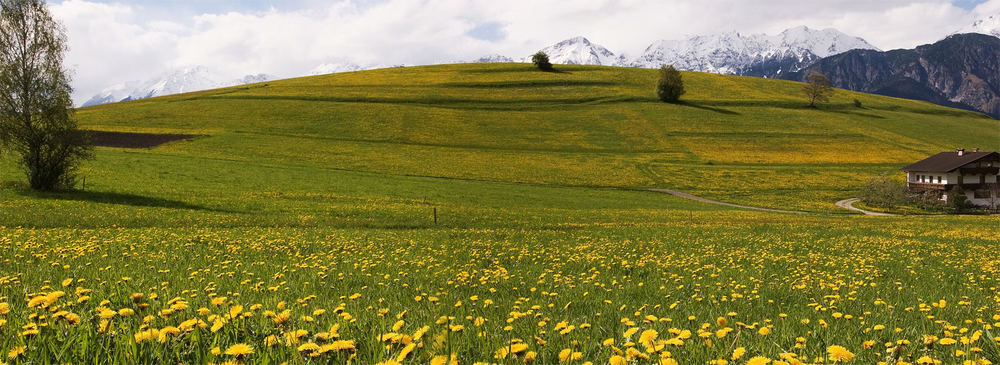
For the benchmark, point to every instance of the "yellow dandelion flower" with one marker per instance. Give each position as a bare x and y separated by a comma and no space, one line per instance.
308,347
240,349
738,353
839,354
15,352
647,337
339,345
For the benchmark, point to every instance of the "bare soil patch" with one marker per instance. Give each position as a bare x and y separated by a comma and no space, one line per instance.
133,140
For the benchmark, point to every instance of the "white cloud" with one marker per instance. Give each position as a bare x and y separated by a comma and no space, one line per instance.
113,43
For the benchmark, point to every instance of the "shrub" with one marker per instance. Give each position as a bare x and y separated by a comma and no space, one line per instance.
541,60
957,200
883,191
670,87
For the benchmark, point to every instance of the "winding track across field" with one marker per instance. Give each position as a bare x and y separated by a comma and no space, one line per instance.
716,202
846,204
849,204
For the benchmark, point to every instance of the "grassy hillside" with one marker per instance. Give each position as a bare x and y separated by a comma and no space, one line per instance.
735,139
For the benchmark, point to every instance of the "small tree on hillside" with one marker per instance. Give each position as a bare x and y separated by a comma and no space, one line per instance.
35,106
670,87
817,88
541,60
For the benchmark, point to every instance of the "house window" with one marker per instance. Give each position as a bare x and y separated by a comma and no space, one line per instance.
939,179
981,194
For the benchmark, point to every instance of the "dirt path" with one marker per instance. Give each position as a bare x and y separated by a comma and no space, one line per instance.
846,204
849,204
709,201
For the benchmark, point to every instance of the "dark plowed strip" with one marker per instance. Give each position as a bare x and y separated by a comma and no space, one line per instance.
133,140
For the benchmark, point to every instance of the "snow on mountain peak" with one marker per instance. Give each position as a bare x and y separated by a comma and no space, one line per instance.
578,51
823,43
735,53
493,58
335,67
176,81
985,25
726,53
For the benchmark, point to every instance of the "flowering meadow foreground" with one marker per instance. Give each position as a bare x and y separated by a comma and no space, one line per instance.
843,290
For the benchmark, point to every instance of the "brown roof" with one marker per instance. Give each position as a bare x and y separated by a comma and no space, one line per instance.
948,161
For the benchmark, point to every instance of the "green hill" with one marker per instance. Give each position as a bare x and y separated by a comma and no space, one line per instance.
375,134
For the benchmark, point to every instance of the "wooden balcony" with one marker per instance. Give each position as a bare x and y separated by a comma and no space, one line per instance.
922,187
979,170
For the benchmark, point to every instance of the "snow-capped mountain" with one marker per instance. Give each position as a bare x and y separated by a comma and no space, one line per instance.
493,58
752,55
578,51
336,67
985,25
177,81
727,53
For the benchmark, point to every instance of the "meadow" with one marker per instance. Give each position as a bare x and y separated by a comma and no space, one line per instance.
740,288
494,214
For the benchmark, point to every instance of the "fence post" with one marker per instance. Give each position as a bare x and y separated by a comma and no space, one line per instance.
435,215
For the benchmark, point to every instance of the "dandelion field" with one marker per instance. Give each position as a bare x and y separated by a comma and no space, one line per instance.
299,228
787,289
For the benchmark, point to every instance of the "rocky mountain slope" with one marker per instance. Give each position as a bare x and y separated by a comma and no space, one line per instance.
962,70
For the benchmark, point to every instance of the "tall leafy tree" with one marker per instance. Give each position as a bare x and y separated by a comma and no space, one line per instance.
670,86
35,106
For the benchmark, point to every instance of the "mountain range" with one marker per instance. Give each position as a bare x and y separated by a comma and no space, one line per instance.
955,77
727,53
960,71
758,55
173,82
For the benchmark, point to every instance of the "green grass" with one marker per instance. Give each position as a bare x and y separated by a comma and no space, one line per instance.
735,139
319,193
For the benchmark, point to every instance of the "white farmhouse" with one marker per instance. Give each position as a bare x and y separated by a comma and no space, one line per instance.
975,173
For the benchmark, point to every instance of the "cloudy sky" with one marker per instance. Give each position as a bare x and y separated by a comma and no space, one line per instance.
114,41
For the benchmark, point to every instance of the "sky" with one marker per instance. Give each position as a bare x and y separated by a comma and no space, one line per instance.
115,41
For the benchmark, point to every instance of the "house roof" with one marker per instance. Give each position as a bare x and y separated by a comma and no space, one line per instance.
948,161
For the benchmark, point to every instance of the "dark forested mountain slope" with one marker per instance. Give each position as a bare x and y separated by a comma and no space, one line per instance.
961,71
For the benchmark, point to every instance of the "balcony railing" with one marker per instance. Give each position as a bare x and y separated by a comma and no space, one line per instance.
918,186
979,170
